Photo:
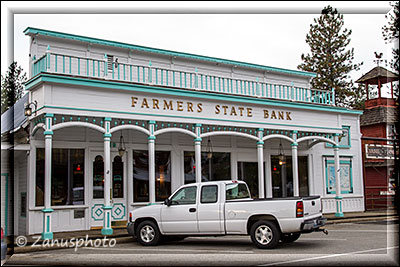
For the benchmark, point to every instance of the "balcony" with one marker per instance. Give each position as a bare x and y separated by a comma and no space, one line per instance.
154,76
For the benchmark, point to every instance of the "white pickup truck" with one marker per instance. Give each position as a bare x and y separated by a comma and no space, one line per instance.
226,208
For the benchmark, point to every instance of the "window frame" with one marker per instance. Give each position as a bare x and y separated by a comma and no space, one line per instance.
348,128
201,194
177,192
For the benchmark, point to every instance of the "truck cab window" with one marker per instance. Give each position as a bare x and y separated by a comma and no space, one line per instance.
236,191
209,194
185,196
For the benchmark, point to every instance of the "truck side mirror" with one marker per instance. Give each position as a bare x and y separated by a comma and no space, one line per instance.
167,202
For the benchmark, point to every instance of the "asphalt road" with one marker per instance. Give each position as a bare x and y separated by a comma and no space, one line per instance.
354,244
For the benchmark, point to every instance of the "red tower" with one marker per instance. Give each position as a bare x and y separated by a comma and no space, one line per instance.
378,132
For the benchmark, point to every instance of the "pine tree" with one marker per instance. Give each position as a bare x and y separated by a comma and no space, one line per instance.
390,33
329,58
12,86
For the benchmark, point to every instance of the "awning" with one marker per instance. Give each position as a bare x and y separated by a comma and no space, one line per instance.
14,117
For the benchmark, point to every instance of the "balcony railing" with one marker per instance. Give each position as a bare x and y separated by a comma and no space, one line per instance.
90,67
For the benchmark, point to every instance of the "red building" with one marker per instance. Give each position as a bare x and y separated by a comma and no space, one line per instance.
378,130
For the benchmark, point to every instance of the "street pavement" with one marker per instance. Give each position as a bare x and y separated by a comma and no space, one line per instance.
356,244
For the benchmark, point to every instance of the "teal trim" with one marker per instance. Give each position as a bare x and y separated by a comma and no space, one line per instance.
152,122
123,208
106,231
338,197
260,143
294,144
182,92
107,119
107,207
6,207
48,115
47,235
186,117
348,138
152,137
48,133
351,176
48,210
198,139
198,125
107,135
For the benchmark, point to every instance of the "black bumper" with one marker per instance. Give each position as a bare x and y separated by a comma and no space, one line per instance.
130,227
312,225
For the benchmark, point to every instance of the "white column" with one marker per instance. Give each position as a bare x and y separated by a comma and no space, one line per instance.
268,176
295,166
197,149
152,166
338,198
260,158
107,230
48,134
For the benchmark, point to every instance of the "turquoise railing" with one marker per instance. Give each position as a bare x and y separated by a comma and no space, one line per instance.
99,68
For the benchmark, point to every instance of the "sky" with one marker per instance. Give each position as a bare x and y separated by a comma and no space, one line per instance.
266,33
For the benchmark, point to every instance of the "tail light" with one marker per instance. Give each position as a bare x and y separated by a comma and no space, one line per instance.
130,216
299,209
2,234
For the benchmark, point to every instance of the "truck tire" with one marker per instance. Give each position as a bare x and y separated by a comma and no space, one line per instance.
289,238
265,234
148,233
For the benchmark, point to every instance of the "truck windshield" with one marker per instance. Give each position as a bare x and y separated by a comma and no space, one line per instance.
236,191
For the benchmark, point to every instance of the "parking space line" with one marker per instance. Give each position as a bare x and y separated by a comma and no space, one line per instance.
329,256
173,250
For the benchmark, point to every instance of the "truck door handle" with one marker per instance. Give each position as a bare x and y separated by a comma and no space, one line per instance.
192,210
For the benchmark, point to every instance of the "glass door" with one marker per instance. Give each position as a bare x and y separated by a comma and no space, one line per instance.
118,192
248,172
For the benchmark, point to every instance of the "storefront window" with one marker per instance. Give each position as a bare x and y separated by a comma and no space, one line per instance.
248,172
282,177
216,168
118,177
141,175
67,177
98,177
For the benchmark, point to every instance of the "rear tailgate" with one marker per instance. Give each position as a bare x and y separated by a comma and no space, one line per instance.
312,206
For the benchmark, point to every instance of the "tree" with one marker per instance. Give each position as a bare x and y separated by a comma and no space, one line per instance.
12,86
390,33
358,97
329,58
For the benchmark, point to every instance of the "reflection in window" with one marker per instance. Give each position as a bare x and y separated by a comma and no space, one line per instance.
67,177
248,172
118,178
209,194
185,196
141,175
215,169
236,191
98,177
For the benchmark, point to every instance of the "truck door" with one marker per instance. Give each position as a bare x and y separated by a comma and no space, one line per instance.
181,216
210,210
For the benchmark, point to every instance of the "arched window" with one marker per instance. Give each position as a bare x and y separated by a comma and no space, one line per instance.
118,177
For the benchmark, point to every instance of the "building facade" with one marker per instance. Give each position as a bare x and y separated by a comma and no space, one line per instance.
116,126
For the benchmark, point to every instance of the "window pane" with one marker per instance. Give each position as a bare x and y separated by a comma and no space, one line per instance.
118,178
140,176
98,177
163,175
248,172
185,196
215,169
76,197
236,191
39,201
209,194
59,176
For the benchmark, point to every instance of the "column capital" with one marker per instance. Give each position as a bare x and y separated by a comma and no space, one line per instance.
198,125
295,131
151,137
260,142
295,144
48,132
260,130
49,115
198,139
152,122
107,135
107,119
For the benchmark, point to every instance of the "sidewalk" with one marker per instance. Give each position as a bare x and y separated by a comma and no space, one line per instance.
121,234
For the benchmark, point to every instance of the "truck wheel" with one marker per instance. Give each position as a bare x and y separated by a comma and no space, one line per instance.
148,234
289,238
265,234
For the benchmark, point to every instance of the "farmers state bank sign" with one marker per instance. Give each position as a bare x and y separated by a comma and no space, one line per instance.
198,108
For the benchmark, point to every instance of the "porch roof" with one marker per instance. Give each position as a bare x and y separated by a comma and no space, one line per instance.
14,117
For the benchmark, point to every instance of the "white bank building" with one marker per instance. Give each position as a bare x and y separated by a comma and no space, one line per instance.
110,127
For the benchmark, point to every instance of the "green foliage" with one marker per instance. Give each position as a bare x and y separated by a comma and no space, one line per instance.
12,86
329,58
358,97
